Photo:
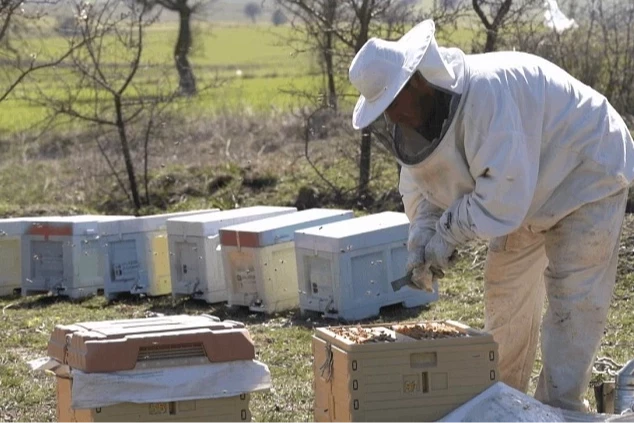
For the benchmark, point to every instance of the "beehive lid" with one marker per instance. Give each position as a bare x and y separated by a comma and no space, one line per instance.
154,222
210,223
278,229
87,224
386,336
16,226
354,234
113,345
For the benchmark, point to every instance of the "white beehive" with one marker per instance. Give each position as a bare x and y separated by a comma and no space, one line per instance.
64,255
11,233
194,247
259,258
345,268
137,255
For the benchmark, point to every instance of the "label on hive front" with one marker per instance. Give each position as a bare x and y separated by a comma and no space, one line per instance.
246,278
158,408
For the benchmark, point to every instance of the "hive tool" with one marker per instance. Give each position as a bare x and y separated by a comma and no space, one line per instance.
430,274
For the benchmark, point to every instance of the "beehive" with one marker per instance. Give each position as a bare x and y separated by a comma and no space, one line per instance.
113,345
11,233
195,251
231,409
64,255
345,268
259,258
137,256
150,344
378,373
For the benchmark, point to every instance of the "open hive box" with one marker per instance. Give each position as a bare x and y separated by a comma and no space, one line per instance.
414,371
172,368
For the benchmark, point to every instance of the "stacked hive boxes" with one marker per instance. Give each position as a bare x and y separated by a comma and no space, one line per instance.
209,367
259,258
195,251
345,268
137,256
405,372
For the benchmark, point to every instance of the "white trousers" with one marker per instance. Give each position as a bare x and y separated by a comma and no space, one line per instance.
574,263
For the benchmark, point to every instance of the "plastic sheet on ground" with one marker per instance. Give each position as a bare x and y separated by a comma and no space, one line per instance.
501,403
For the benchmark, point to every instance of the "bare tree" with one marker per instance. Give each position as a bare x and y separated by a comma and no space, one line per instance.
278,17
100,89
496,15
252,10
599,51
16,67
335,30
185,9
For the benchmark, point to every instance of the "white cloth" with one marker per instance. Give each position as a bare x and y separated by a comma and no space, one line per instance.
502,403
163,384
216,380
527,146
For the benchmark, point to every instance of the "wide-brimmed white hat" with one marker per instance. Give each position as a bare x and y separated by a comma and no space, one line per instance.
381,69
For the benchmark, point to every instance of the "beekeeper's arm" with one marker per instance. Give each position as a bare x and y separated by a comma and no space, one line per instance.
504,162
422,216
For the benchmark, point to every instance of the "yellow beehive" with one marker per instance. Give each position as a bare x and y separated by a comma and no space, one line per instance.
395,377
231,409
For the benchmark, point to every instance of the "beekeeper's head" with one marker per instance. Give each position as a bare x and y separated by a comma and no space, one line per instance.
407,81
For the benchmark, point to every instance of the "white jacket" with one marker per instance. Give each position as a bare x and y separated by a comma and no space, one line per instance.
528,145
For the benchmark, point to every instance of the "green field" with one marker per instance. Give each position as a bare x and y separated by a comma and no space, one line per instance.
258,52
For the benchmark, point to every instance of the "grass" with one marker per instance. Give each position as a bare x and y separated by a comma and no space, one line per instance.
283,341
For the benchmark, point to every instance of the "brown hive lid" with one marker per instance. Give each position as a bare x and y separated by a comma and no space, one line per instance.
114,345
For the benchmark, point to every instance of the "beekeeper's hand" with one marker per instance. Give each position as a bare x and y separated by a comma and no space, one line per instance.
439,253
421,274
416,242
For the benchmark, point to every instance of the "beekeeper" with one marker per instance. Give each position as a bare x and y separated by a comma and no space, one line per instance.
509,148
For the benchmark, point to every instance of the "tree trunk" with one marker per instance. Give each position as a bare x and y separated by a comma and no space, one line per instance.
492,37
125,148
331,10
365,162
187,82
365,156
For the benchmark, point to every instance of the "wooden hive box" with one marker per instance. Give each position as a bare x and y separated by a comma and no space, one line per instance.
137,257
344,269
398,377
115,345
64,255
230,409
196,266
11,233
259,259
150,344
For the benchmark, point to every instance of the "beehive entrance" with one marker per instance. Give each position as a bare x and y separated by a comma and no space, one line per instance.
167,352
124,266
48,261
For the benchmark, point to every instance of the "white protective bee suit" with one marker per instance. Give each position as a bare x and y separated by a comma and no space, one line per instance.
537,163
